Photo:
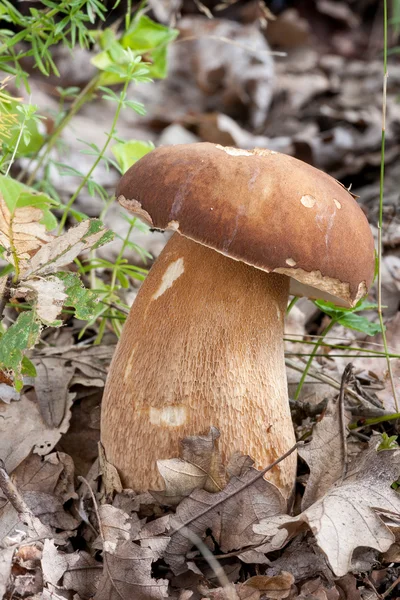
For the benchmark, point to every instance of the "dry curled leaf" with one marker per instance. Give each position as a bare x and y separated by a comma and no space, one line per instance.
63,249
349,515
48,296
230,514
325,454
275,586
200,467
127,566
21,233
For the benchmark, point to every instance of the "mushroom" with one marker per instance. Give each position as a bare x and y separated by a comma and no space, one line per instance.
203,344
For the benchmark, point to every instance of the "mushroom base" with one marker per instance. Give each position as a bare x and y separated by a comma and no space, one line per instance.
202,346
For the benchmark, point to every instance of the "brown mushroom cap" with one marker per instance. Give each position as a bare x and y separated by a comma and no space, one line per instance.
263,208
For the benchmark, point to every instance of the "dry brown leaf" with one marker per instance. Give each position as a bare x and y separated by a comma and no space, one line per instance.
239,591
275,586
127,569
45,485
303,559
52,382
199,468
317,589
21,234
109,475
84,577
62,250
6,555
325,454
55,563
348,516
252,500
23,430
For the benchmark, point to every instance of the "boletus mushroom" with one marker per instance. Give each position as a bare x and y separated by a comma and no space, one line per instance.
203,344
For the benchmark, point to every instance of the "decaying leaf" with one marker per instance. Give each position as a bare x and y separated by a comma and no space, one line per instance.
199,467
48,295
127,566
23,430
21,233
276,586
45,486
325,454
349,515
6,555
61,251
52,383
109,475
252,500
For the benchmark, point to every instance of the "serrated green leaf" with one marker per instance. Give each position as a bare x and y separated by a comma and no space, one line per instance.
84,301
18,338
28,368
359,323
128,153
150,38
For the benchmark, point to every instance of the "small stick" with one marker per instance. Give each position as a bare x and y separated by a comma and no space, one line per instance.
11,493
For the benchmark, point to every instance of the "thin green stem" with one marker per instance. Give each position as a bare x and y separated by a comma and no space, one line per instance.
381,193
310,360
100,156
291,304
376,421
80,100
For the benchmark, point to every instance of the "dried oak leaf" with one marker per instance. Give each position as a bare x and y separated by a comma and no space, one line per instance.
77,571
275,586
349,515
325,454
45,485
23,429
200,467
238,591
230,514
127,566
6,555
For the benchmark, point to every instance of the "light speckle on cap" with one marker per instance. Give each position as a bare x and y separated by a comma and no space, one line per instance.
234,151
174,270
173,226
337,203
291,262
308,201
173,416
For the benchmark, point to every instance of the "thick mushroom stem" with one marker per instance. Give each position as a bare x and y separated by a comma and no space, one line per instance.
203,345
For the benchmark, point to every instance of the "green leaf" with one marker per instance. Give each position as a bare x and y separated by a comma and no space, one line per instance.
84,301
359,323
17,195
127,153
147,37
27,367
18,338
32,140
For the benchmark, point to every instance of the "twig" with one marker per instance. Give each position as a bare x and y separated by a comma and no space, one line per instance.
328,380
96,509
381,188
259,475
11,493
347,374
391,588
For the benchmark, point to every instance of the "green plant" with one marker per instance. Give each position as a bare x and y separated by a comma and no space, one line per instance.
53,286
347,317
